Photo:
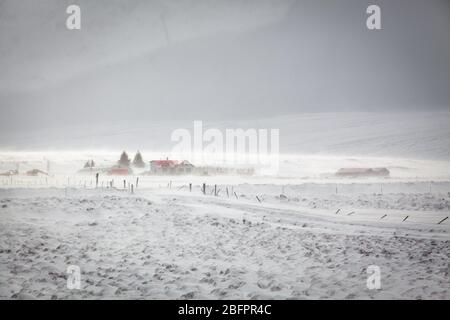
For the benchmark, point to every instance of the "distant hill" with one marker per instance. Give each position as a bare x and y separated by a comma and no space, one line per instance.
409,135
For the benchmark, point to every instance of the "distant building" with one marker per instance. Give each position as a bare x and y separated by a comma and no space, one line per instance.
217,171
363,172
171,167
10,173
175,167
36,172
119,171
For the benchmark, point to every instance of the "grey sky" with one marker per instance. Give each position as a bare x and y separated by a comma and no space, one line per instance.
221,60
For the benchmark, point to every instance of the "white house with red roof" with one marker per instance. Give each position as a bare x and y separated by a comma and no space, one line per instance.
171,167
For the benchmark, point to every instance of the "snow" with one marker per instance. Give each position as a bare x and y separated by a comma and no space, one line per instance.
171,243
302,233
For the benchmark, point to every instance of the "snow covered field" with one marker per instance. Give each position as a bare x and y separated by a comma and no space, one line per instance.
172,243
273,106
301,234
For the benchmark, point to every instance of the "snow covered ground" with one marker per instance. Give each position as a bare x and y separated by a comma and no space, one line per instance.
172,243
142,70
300,234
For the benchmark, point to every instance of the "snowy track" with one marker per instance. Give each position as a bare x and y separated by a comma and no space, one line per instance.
340,221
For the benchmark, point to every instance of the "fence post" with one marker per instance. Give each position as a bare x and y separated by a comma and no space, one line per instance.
442,220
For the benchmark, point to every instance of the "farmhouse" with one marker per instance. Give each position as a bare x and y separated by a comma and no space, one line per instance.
171,167
119,171
211,170
9,173
363,172
36,172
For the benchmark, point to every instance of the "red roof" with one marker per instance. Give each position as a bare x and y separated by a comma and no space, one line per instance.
118,171
165,163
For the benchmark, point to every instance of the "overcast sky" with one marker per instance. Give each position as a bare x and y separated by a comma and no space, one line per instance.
145,61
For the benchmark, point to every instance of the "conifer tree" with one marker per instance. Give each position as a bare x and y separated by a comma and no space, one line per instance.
138,162
124,161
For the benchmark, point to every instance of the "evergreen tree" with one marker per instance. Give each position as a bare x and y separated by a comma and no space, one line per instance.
124,161
89,164
138,162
